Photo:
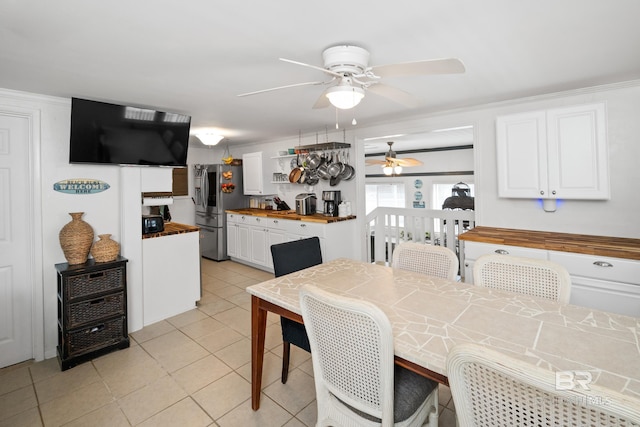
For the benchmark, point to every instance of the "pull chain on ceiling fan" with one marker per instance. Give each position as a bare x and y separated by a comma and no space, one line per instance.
352,77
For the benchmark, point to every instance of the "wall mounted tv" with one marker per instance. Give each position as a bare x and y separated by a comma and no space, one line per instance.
116,134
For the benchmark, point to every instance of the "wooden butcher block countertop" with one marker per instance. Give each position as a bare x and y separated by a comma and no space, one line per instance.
172,228
617,247
292,215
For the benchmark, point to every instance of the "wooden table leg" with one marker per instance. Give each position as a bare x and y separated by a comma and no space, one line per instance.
258,328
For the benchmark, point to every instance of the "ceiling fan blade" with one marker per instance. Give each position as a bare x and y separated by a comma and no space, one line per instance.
324,70
322,101
415,68
395,94
371,162
283,87
406,162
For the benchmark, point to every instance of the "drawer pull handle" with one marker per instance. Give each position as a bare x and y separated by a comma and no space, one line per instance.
275,221
501,252
95,275
97,301
603,264
96,329
303,225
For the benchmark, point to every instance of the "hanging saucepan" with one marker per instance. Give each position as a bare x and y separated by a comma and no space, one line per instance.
335,180
348,171
312,177
313,160
322,171
335,168
294,175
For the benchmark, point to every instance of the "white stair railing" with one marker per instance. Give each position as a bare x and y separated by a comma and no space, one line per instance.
396,225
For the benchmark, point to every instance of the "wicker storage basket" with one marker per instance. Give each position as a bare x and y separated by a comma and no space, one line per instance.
105,249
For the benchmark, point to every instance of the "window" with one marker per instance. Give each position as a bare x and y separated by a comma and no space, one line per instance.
384,195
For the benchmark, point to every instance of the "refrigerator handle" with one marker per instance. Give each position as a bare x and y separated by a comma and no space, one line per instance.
205,189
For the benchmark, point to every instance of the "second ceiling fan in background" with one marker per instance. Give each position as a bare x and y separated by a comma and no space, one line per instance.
351,77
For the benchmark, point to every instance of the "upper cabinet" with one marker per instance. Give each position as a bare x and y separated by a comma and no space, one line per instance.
554,154
154,179
253,175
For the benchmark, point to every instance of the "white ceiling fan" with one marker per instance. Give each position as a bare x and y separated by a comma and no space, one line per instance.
391,164
351,77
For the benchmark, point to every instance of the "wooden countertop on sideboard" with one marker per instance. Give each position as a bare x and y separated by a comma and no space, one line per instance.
172,228
617,247
291,214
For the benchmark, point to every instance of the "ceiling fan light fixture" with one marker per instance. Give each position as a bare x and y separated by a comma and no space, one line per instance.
345,97
388,170
209,138
397,169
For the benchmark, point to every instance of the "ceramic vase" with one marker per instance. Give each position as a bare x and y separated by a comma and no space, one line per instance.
76,238
105,249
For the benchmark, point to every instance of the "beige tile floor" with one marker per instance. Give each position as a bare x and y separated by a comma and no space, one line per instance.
190,370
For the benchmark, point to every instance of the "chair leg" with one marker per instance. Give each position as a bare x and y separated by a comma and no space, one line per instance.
286,349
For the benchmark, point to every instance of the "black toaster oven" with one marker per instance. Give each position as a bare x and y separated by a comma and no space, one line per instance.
152,224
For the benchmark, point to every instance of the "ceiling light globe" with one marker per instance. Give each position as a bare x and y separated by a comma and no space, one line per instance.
345,97
397,170
209,138
388,170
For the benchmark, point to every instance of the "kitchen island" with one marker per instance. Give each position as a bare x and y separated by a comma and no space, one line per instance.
251,232
170,271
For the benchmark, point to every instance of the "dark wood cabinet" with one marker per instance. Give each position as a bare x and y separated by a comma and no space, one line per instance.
92,310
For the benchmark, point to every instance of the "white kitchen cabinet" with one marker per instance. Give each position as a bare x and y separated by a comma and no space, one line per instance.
605,283
171,275
232,235
254,177
156,180
554,154
254,235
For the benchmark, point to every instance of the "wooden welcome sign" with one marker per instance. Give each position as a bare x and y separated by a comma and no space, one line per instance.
80,186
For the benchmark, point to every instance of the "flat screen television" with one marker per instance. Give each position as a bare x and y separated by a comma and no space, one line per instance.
105,133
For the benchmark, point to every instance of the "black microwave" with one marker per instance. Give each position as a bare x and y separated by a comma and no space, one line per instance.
152,224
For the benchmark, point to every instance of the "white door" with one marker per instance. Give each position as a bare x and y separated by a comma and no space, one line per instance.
16,287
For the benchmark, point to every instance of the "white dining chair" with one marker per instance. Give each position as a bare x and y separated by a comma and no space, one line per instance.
433,260
492,389
527,276
357,382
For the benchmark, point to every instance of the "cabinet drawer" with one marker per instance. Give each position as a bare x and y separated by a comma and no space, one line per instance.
473,250
613,297
232,218
95,309
599,267
97,282
306,229
94,337
275,223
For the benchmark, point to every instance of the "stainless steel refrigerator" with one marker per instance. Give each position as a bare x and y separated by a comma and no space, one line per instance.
211,203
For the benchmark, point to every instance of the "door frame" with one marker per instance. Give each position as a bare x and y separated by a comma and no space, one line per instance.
35,232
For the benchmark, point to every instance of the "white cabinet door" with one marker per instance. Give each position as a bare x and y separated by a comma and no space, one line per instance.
258,252
252,173
274,236
243,242
558,153
522,155
232,240
578,159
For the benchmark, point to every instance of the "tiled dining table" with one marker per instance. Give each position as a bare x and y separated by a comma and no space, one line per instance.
430,315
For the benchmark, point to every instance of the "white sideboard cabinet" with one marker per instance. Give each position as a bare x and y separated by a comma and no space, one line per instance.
605,283
559,153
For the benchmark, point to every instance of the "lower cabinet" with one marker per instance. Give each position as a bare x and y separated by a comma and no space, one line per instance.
171,275
249,238
605,283
92,310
